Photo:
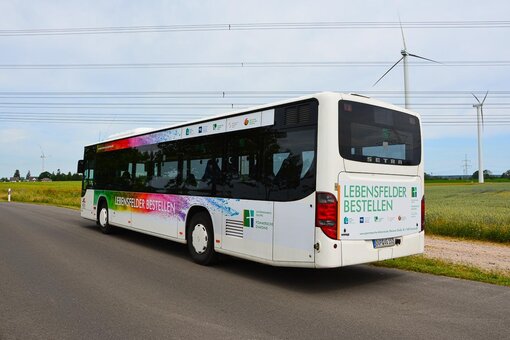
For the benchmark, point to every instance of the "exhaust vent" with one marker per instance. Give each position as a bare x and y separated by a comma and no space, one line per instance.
298,115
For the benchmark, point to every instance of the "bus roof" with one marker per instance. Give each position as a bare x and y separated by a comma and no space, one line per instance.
350,96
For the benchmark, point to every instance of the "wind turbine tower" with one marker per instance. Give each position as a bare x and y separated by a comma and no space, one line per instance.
404,57
43,157
480,124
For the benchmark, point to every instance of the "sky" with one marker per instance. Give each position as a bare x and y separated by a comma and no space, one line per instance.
56,110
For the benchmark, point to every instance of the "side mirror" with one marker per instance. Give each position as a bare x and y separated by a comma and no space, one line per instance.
81,166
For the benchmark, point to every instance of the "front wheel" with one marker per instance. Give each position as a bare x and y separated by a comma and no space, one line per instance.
200,239
103,219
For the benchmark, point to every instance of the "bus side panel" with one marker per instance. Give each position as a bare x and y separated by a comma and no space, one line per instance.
88,206
294,230
118,215
250,231
162,224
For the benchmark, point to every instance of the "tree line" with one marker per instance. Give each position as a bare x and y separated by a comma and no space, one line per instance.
487,174
58,176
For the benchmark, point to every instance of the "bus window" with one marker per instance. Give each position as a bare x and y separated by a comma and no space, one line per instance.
374,134
290,157
243,170
202,167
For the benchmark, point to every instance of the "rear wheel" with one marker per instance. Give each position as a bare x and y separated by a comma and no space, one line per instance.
103,218
200,239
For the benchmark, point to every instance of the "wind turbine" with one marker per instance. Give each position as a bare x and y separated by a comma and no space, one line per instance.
480,124
404,57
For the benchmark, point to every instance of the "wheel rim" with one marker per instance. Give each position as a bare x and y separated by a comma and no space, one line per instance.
103,217
199,238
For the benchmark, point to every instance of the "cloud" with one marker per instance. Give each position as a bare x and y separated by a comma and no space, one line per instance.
8,136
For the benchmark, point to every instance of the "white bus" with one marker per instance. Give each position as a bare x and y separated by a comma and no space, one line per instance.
325,180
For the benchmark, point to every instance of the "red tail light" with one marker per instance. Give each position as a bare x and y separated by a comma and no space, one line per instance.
423,213
326,214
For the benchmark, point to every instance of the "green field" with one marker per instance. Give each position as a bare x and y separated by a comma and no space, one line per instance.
474,211
61,194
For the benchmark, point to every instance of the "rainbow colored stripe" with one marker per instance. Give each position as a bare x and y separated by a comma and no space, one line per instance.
165,204
131,142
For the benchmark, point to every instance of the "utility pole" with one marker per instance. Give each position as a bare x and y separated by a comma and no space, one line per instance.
466,164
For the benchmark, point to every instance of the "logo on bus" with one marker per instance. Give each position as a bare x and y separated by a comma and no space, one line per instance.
246,121
414,192
249,218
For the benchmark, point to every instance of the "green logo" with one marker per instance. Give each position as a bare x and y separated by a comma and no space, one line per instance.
414,192
249,218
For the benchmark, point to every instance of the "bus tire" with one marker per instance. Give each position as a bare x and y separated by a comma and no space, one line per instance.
103,217
200,239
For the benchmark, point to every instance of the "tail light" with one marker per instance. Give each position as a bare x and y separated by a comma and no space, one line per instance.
326,214
423,213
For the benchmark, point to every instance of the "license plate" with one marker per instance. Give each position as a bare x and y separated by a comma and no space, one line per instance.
383,242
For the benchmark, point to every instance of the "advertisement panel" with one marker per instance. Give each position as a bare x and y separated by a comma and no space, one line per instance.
374,208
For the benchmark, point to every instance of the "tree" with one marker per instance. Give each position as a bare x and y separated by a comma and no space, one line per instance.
506,174
486,174
16,174
27,177
45,174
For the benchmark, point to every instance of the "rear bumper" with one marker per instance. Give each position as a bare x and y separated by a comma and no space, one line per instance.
348,253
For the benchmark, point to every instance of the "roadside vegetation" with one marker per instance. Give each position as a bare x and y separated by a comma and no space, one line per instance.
459,209
422,264
462,210
61,194
471,211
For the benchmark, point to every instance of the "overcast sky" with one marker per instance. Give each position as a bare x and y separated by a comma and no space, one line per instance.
33,121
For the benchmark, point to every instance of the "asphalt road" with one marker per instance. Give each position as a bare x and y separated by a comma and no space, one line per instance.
61,278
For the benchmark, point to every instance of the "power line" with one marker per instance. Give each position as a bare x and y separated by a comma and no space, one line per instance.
209,106
176,120
462,24
229,92
250,64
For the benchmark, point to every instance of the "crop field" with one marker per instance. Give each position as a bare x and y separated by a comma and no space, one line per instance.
61,194
472,211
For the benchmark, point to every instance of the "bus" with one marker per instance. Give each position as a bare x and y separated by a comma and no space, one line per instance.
321,181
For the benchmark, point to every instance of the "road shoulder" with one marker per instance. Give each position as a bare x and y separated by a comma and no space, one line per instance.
487,256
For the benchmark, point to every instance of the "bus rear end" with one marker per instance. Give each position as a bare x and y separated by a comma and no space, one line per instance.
370,191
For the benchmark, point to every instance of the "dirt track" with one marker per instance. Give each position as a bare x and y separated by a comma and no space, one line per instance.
485,255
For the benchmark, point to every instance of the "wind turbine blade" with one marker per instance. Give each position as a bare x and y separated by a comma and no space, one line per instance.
419,57
402,31
476,98
385,73
486,93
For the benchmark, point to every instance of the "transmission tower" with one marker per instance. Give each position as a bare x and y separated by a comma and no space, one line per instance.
466,164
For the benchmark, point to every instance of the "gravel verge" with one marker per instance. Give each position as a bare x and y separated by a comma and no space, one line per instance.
484,255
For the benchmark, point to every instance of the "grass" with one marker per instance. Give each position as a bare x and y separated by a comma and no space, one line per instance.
466,181
61,194
472,211
422,264
460,209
